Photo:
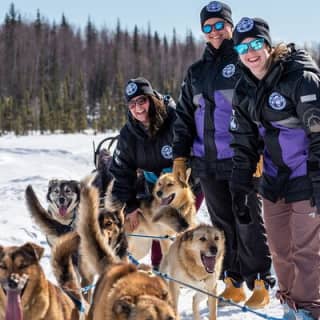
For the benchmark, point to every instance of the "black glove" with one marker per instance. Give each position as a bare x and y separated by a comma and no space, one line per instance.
240,207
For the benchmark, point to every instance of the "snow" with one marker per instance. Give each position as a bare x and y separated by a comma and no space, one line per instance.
36,159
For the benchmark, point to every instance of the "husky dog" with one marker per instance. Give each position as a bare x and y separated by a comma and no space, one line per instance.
172,210
25,293
196,257
63,197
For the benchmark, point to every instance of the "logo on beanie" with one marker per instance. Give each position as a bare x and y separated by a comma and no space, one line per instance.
277,101
245,25
131,89
214,6
229,70
166,152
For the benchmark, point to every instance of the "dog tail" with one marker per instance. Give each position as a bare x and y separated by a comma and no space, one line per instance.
93,243
172,218
47,224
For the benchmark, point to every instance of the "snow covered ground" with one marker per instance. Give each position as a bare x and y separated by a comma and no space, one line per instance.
35,160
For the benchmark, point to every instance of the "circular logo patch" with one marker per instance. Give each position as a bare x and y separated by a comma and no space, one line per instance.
166,152
277,101
131,88
229,70
245,25
214,6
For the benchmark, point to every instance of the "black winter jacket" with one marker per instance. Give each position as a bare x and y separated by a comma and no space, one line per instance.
284,109
204,111
137,150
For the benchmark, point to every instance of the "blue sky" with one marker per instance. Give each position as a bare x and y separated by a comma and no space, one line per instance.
289,21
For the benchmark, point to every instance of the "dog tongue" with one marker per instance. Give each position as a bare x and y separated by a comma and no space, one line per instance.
63,211
166,201
13,311
209,263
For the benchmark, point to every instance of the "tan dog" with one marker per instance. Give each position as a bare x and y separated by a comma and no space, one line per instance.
172,210
196,258
25,291
127,293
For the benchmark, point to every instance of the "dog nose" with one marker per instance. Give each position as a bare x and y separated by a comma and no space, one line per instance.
61,200
12,283
159,193
213,250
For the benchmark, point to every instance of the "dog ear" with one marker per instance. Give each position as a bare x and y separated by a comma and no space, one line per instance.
32,250
188,172
188,235
123,305
52,182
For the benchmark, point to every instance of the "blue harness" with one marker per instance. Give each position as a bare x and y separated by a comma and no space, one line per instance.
152,177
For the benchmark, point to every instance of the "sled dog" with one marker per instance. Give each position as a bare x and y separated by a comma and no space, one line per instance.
63,197
125,292
25,292
172,210
196,258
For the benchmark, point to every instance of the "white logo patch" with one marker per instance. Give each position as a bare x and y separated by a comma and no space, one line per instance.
229,70
277,101
131,88
166,152
245,25
234,123
214,6
308,98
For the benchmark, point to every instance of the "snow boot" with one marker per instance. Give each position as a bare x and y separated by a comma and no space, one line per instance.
260,295
288,313
233,291
304,315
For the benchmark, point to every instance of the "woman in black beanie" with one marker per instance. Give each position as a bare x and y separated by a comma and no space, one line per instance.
278,99
202,137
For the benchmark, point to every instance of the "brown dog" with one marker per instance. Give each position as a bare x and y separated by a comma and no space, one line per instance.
196,258
172,210
25,291
126,293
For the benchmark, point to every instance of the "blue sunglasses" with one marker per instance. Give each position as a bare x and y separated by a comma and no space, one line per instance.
255,45
207,28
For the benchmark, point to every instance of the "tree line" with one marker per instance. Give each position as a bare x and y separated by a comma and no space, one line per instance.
55,77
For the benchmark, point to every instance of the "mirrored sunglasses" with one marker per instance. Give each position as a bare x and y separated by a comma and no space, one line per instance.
255,45
139,101
207,28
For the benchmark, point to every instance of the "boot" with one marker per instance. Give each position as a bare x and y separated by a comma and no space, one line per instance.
233,291
288,313
260,296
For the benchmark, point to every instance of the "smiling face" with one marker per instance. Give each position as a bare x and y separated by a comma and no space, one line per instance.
216,37
139,108
256,61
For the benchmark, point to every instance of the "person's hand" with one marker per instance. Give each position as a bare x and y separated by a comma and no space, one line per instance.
240,207
133,219
180,169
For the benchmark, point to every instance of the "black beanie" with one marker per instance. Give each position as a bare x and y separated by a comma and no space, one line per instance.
137,87
251,28
216,9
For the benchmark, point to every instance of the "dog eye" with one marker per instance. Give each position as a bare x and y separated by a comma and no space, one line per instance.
67,190
56,191
170,184
3,266
22,266
203,239
216,238
108,223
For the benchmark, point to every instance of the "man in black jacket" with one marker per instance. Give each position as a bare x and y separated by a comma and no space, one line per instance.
201,134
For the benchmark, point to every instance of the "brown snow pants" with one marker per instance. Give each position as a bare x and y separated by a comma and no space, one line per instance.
293,233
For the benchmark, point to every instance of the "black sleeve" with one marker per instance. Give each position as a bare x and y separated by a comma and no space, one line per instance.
124,170
245,143
307,95
184,126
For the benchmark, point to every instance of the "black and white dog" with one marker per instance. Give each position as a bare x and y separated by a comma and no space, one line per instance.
63,197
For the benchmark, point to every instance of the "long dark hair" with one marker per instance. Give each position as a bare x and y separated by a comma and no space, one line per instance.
157,114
